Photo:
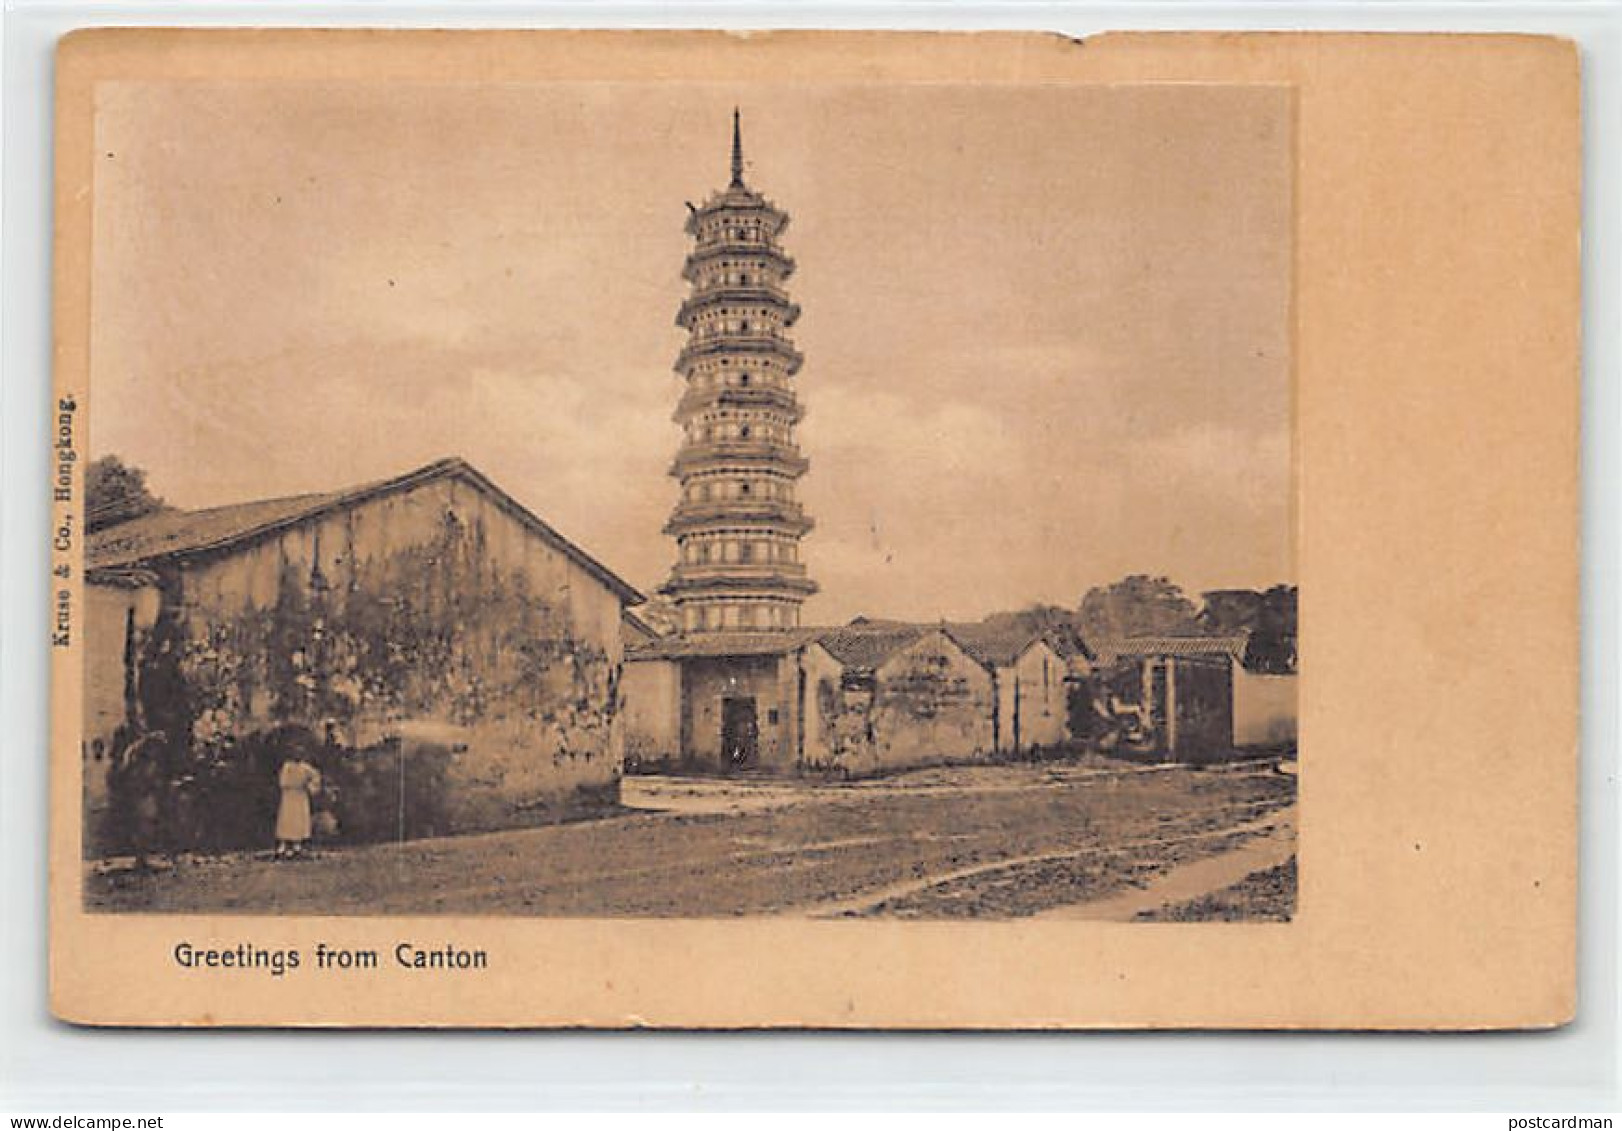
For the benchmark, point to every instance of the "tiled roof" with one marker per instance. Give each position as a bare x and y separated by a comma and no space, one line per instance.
1108,649
996,645
868,642
865,646
718,644
1069,644
862,645
175,534
167,533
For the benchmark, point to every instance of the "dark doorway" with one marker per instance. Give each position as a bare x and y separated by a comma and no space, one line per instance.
740,734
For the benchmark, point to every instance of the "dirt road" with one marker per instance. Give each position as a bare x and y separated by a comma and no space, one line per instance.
982,842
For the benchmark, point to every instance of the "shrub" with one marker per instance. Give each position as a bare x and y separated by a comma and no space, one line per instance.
225,798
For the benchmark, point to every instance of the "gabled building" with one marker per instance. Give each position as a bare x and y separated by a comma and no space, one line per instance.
427,608
719,703
1031,678
853,701
741,685
1195,696
733,689
909,695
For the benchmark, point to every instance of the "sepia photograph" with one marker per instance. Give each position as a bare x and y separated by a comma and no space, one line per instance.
699,500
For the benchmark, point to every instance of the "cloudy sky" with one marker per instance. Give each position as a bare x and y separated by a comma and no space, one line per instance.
1046,329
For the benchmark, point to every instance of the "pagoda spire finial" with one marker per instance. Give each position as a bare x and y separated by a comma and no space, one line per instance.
737,150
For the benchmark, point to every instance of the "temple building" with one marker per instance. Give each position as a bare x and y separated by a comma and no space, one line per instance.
737,524
733,688
741,683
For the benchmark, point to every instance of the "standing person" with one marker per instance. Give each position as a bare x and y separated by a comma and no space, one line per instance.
299,780
138,788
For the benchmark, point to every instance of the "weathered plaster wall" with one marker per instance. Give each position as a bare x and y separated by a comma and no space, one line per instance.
1264,709
787,754
1202,706
430,611
118,621
707,682
1038,676
931,703
928,703
819,703
652,694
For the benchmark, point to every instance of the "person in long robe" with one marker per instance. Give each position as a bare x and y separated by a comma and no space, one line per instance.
299,781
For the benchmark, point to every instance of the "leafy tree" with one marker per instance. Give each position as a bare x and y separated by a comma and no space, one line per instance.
116,492
1272,643
1229,612
1035,618
1056,621
1268,619
1139,605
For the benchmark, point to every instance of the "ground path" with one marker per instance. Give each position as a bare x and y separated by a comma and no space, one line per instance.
958,842
1274,846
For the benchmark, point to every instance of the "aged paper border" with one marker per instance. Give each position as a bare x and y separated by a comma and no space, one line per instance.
1437,329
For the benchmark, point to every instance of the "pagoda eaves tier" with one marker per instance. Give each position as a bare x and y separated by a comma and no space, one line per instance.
738,524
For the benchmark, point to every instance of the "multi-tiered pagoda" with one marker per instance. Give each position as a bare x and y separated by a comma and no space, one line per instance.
738,525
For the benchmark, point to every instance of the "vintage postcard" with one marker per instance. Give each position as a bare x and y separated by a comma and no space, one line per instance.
802,530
